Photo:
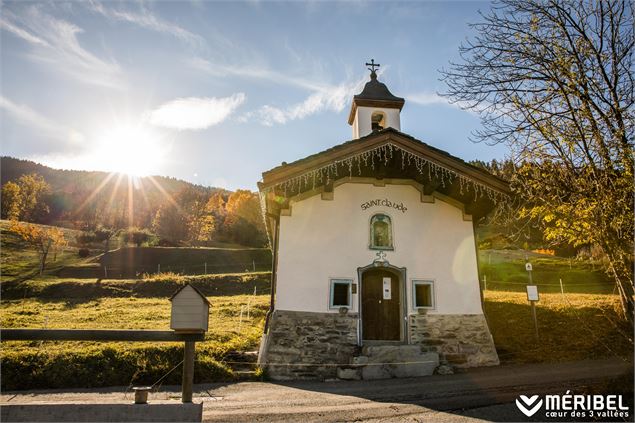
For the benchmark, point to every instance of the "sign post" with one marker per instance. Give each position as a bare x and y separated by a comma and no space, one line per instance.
532,297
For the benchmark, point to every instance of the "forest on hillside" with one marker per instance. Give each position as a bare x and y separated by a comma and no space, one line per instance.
152,209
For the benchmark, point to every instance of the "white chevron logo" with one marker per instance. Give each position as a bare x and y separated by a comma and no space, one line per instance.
527,405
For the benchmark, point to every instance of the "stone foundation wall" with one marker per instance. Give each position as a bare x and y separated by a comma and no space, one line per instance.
462,340
303,345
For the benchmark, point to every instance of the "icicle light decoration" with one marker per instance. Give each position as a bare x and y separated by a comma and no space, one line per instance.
378,155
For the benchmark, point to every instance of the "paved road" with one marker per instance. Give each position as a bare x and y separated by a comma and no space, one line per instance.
481,393
486,393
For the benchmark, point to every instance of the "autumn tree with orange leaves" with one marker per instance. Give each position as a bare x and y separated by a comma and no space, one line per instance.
41,238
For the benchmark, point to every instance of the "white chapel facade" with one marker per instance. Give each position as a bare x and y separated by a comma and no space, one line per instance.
375,256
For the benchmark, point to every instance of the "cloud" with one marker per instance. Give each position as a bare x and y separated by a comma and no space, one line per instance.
54,42
253,72
21,33
321,97
427,98
194,113
34,120
329,98
332,98
146,19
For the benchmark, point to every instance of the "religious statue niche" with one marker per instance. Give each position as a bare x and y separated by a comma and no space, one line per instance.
381,232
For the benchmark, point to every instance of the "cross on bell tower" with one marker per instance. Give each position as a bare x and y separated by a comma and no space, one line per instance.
372,67
375,108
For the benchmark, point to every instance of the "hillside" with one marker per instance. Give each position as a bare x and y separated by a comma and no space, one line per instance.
64,180
78,195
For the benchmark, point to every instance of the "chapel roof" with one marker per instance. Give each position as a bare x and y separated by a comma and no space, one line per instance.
289,170
374,94
375,90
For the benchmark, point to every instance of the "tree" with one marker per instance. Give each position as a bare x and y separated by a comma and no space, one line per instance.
243,222
245,204
103,234
10,201
170,223
39,237
553,80
33,190
137,236
25,199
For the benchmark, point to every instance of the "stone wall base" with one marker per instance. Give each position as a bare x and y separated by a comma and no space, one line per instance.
462,340
303,345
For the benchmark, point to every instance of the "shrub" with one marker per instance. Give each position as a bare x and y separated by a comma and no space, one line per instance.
83,252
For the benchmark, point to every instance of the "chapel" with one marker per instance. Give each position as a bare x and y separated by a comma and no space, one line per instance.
375,265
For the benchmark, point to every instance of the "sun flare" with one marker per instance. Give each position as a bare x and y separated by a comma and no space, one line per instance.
132,150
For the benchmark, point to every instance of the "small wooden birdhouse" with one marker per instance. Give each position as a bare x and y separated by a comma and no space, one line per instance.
190,310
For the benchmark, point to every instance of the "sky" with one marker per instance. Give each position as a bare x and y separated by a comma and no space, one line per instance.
216,93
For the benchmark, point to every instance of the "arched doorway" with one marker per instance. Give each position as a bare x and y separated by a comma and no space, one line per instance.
382,302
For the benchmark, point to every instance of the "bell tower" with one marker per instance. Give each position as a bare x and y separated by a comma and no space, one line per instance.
375,108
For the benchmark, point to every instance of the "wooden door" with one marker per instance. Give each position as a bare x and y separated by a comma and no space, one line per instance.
381,317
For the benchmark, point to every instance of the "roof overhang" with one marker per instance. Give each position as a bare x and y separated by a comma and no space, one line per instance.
398,156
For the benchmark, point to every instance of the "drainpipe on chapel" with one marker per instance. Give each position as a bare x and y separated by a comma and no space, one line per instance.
274,268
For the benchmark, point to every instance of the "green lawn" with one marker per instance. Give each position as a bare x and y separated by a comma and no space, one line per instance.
505,271
236,321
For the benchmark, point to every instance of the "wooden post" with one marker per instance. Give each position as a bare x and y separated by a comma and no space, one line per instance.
206,268
188,372
533,313
159,268
561,289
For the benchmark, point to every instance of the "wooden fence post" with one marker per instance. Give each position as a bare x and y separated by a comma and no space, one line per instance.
188,371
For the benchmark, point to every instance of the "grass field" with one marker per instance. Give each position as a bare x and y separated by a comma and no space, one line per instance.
236,320
572,326
17,260
505,271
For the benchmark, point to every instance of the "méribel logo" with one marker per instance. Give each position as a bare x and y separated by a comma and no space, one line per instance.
528,405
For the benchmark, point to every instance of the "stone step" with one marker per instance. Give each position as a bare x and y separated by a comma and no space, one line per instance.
390,361
381,352
246,375
242,363
241,356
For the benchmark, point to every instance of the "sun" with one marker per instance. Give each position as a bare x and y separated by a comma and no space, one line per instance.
133,150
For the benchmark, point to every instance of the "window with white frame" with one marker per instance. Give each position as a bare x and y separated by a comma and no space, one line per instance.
423,294
340,293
